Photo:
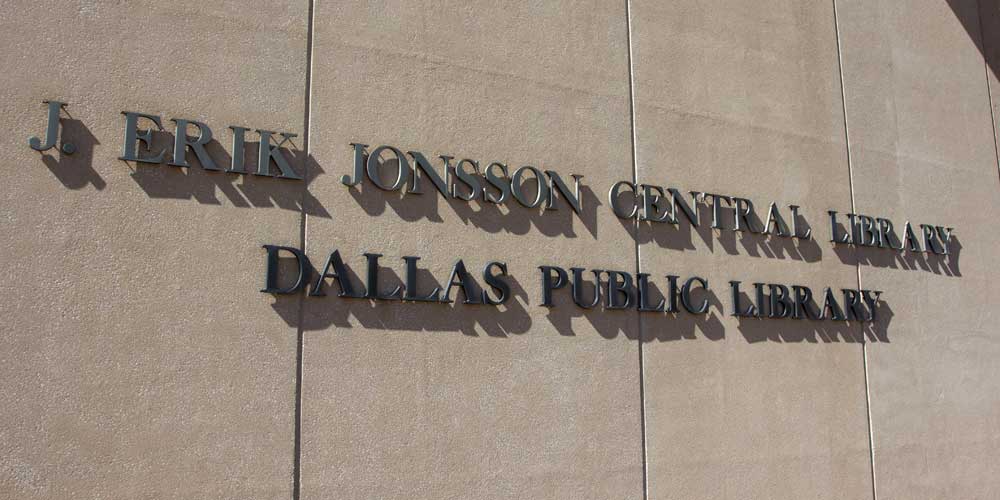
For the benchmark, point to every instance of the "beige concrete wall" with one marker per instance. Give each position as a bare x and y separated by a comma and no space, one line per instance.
744,99
922,149
140,360
451,401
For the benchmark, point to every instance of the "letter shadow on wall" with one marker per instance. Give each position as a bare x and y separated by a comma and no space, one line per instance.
789,330
981,21
328,311
510,217
682,325
323,312
610,323
74,171
680,237
512,318
242,190
906,260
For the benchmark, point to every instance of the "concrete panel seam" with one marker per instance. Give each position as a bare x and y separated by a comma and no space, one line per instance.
850,176
303,241
635,181
989,90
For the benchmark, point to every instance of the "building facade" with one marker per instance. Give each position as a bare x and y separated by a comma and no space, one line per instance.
486,250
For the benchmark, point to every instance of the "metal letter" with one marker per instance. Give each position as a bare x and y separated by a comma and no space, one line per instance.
750,311
577,287
642,284
372,281
795,224
779,297
239,150
422,165
133,134
866,228
548,285
676,200
374,163
742,215
910,239
886,234
271,282
931,244
613,200
411,284
651,204
830,304
672,294
619,285
803,297
686,296
556,184
944,236
470,180
518,190
52,131
464,282
871,299
270,152
834,237
852,305
340,274
855,229
500,183
359,166
716,206
773,215
182,141
495,282
759,289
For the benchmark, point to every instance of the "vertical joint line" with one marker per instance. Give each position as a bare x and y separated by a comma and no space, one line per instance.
635,181
989,93
850,176
307,124
303,238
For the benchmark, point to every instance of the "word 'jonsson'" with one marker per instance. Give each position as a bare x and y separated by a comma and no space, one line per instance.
466,180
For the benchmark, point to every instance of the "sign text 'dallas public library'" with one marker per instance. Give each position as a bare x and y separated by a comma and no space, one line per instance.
465,180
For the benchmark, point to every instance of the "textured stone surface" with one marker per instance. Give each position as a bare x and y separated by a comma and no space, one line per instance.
989,16
460,401
922,149
744,100
138,358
